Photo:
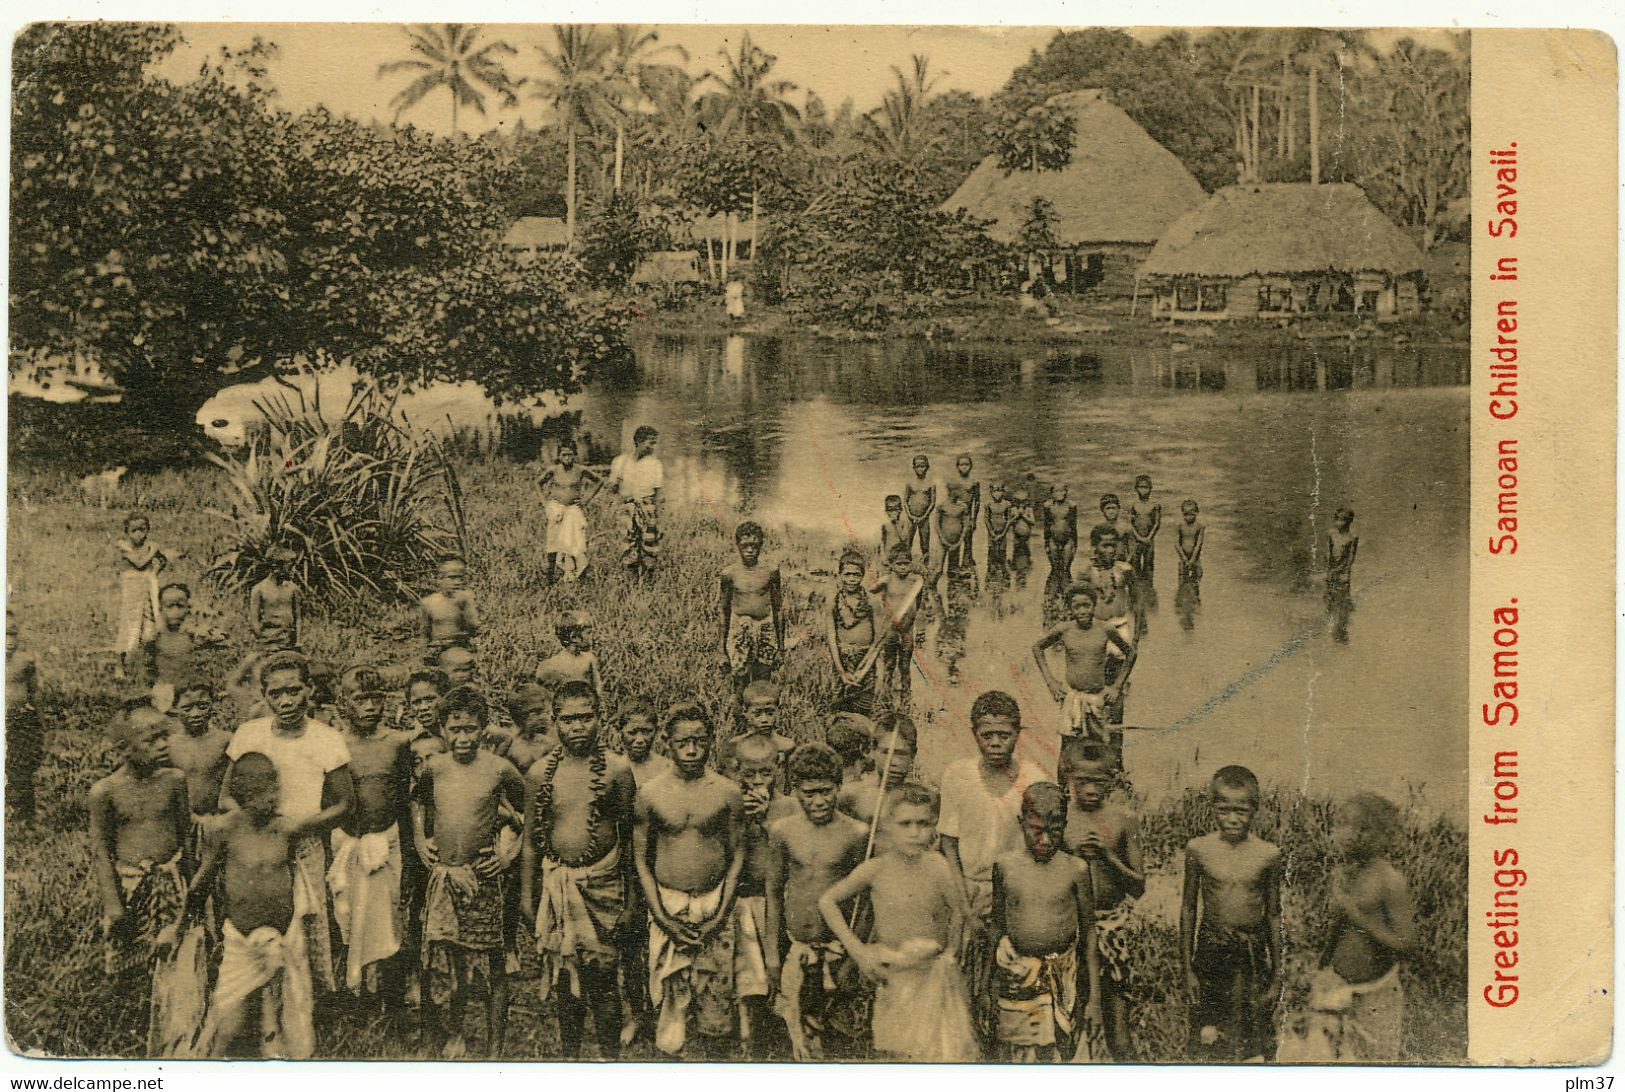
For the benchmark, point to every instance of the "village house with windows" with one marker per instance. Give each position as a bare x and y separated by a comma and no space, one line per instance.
1110,204
1281,250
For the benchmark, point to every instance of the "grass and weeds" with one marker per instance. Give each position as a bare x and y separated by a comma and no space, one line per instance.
657,641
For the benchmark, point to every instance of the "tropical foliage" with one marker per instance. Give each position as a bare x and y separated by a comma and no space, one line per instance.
451,56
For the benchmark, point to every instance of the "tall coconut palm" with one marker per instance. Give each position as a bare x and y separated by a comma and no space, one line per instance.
581,93
632,66
894,126
1318,50
450,55
750,104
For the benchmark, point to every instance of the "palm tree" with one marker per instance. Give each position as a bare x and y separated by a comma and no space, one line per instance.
894,126
1315,49
581,92
632,68
748,103
450,55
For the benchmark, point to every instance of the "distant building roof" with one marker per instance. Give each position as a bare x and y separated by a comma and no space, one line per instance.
1121,186
667,267
1284,227
536,232
715,228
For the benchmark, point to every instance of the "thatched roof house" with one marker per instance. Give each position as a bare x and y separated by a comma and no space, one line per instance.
1119,194
533,235
1284,248
667,267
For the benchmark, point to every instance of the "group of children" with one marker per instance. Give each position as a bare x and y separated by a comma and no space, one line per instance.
662,883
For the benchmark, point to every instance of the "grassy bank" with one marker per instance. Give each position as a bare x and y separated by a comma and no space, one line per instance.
657,642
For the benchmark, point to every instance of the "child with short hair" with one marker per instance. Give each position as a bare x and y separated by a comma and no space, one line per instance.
919,501
369,865
274,604
1060,539
1085,698
639,479
1189,543
263,954
1230,927
998,515
689,848
170,651
970,492
575,659
1356,1010
424,689
853,636
755,763
1044,917
892,747
140,821
25,736
1341,546
459,664
921,1008
530,707
638,731
562,485
752,610
851,735
1023,520
457,797
575,875
899,591
759,719
198,750
896,528
1106,835
1145,520
447,615
981,798
807,852
139,562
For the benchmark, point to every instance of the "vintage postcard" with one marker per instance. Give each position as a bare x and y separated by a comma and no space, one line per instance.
784,543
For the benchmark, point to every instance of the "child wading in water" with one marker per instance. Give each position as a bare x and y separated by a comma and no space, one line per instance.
1044,917
920,500
1356,1003
139,562
1341,546
922,1008
899,591
1230,927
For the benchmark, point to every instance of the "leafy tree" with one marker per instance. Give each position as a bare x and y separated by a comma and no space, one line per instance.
176,230
635,74
896,127
450,55
1037,138
582,93
1037,235
749,109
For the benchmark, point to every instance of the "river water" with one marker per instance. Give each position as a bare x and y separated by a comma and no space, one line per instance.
813,435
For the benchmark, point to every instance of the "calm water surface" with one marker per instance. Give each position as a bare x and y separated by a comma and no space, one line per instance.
813,435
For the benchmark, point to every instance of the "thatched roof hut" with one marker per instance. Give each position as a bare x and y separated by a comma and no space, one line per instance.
1121,190
532,235
667,267
1284,247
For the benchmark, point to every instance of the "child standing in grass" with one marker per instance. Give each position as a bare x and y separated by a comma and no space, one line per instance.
263,954
562,485
896,528
759,719
756,766
752,611
457,799
274,604
139,562
1230,927
921,1009
1356,1003
447,614
1044,917
139,824
807,852
575,661
170,652
899,591
639,479
25,737
1106,835
853,636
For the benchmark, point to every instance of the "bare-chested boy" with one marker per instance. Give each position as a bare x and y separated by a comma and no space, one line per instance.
459,665
689,845
998,515
170,653
759,719
1145,520
274,604
25,736
1191,533
955,524
853,636
639,727
566,493
198,750
1341,546
896,528
1104,833
576,870
1060,520
263,956
457,797
1023,520
892,747
575,660
530,708
1356,1010
139,822
1230,927
807,852
964,488
419,714
369,864
899,591
447,614
919,501
921,1009
1044,917
1085,697
752,610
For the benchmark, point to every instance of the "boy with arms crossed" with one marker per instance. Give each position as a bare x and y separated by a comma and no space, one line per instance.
1044,916
1230,927
689,845
922,1010
576,870
807,853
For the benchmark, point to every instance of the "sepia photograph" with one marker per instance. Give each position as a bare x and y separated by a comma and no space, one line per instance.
775,543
